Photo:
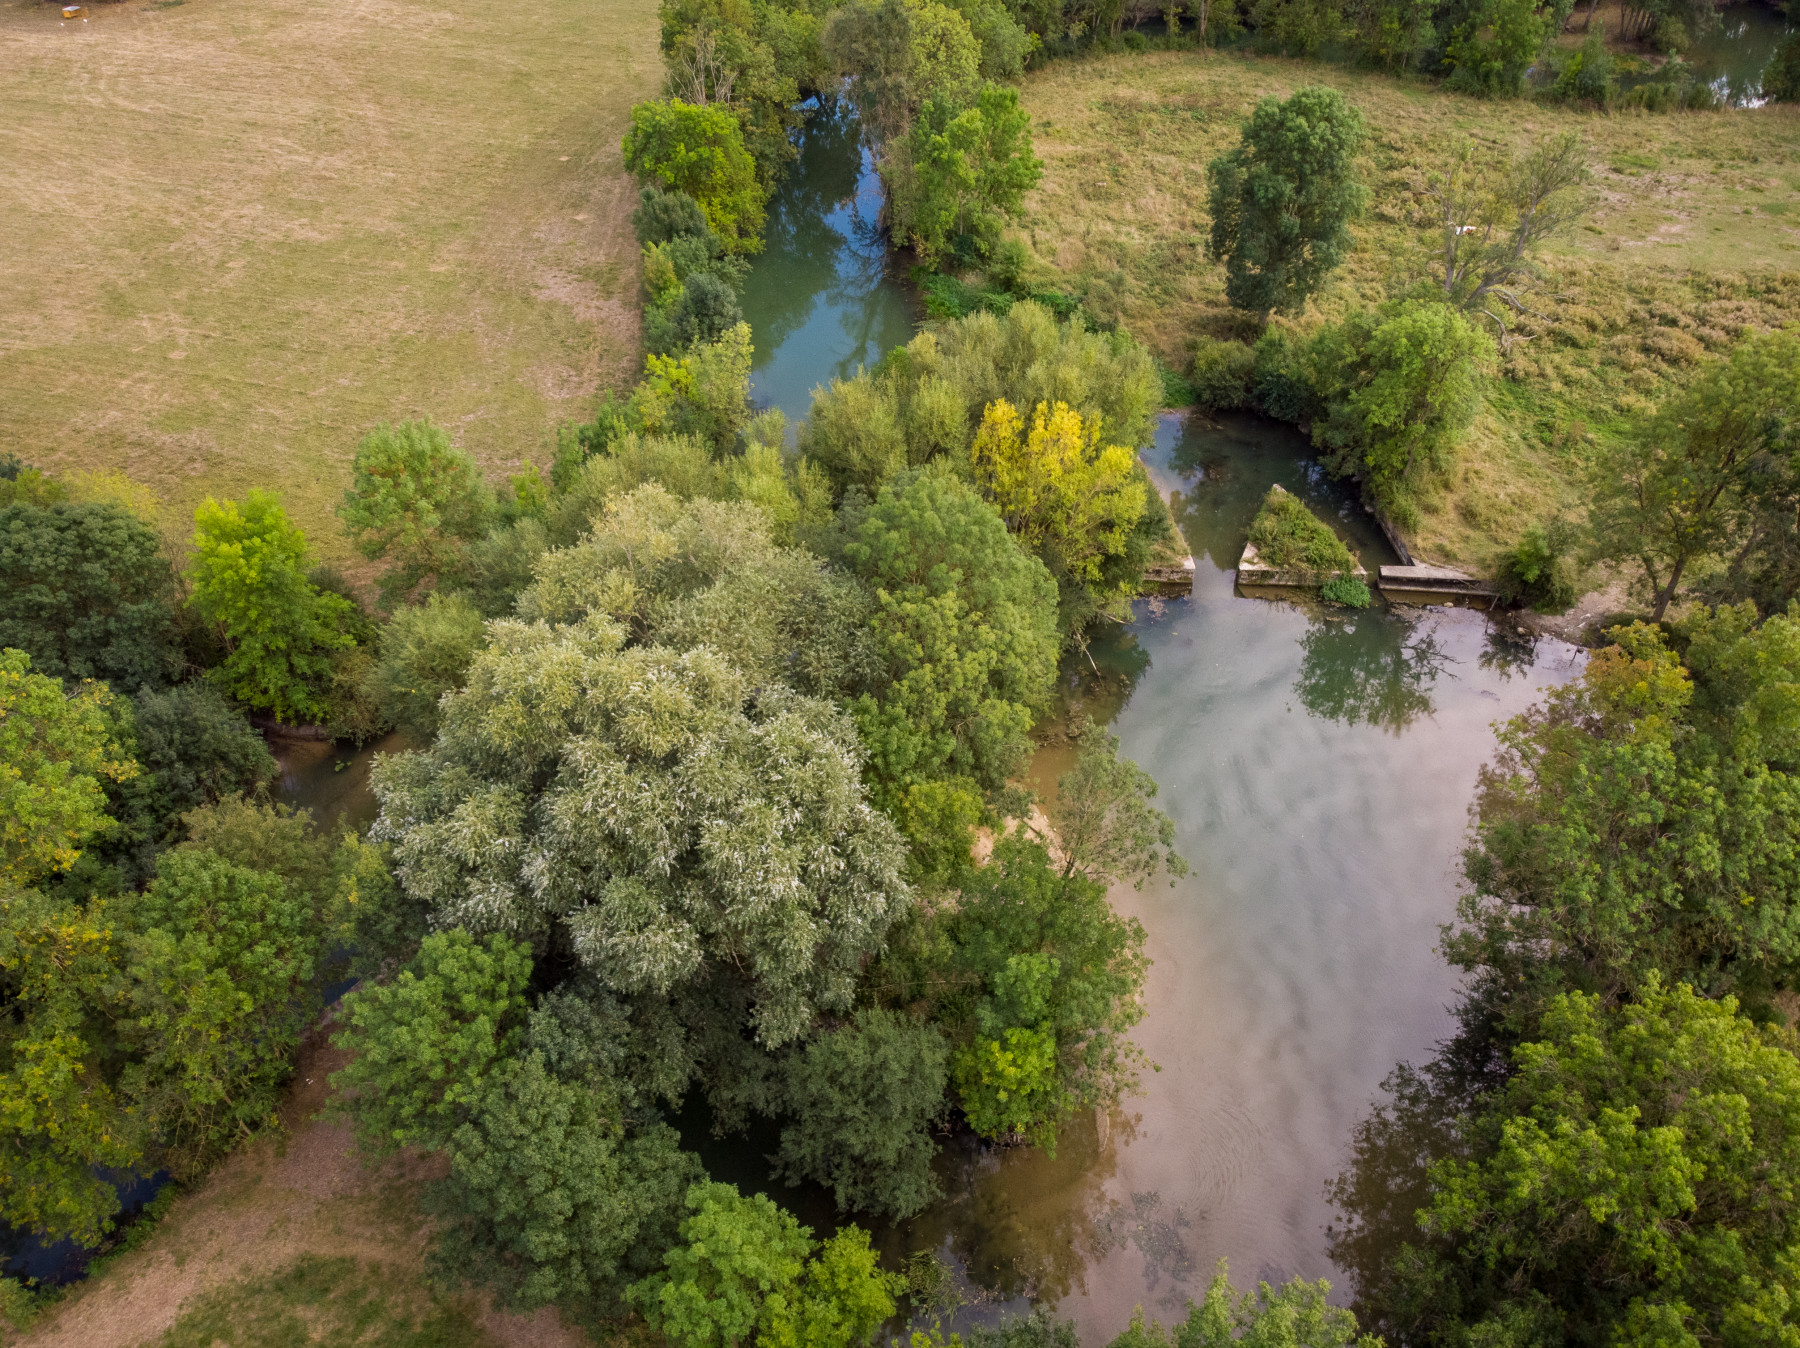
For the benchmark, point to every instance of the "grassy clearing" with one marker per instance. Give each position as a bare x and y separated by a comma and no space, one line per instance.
1696,234
239,235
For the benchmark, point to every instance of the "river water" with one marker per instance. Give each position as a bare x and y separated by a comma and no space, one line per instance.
1319,768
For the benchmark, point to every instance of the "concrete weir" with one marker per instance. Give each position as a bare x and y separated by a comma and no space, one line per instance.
1422,584
1258,580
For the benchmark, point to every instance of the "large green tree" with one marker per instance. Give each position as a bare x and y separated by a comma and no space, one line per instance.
1038,982
1635,1180
415,501
1645,817
425,1043
651,814
57,754
550,1197
1686,484
249,578
862,1099
221,958
967,630
700,150
61,1117
1397,386
1283,199
971,169
1294,1315
87,592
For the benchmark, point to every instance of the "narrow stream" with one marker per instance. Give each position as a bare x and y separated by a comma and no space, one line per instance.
1319,767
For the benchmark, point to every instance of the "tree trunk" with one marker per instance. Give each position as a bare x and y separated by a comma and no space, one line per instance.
1668,591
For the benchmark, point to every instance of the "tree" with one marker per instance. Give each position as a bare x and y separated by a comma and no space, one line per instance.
1106,828
647,809
1069,499
842,1298
426,1043
1398,386
1680,488
1040,983
1495,213
966,628
863,1098
220,957
704,392
1491,45
1392,34
61,1119
249,580
1283,199
926,399
687,574
416,501
550,1198
87,592
897,54
1642,819
972,167
425,652
1298,26
1294,1315
700,151
1632,1181
739,1251
56,751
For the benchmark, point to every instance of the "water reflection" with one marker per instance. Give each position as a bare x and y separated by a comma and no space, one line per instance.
821,298
1370,668
1732,57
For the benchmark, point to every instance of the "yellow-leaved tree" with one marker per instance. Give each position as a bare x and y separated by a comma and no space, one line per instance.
1071,500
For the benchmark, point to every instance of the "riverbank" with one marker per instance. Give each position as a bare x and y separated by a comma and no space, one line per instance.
1694,235
239,236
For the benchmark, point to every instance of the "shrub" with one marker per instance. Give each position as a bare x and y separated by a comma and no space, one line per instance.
1537,569
1289,536
1346,590
1222,373
1588,74
1781,77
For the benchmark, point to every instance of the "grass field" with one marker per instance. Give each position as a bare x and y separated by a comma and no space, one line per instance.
1695,234
238,235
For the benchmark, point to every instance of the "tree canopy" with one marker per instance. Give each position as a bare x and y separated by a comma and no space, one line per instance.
1283,199
249,578
548,808
700,151
87,592
415,501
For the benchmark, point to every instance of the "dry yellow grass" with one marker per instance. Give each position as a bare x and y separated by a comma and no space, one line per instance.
237,235
1696,233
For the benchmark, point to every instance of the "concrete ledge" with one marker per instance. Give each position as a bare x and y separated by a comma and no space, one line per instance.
1253,574
1421,584
1170,580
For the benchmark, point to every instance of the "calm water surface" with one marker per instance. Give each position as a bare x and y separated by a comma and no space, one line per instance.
1319,768
1734,55
823,298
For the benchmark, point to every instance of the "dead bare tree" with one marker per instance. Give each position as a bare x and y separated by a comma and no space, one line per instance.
699,72
1495,211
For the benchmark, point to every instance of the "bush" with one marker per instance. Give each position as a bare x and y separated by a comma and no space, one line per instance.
705,311
1346,590
700,151
1587,76
1538,571
662,216
1289,536
1222,373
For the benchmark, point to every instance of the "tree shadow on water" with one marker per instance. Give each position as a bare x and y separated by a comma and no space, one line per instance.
1372,668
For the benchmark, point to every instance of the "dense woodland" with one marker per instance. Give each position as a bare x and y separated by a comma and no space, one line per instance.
716,792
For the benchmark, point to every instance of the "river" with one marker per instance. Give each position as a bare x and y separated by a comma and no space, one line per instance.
1319,768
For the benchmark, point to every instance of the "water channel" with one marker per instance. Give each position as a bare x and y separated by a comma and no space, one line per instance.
1319,767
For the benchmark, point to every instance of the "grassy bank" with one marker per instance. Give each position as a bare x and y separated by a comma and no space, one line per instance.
237,236
1695,233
